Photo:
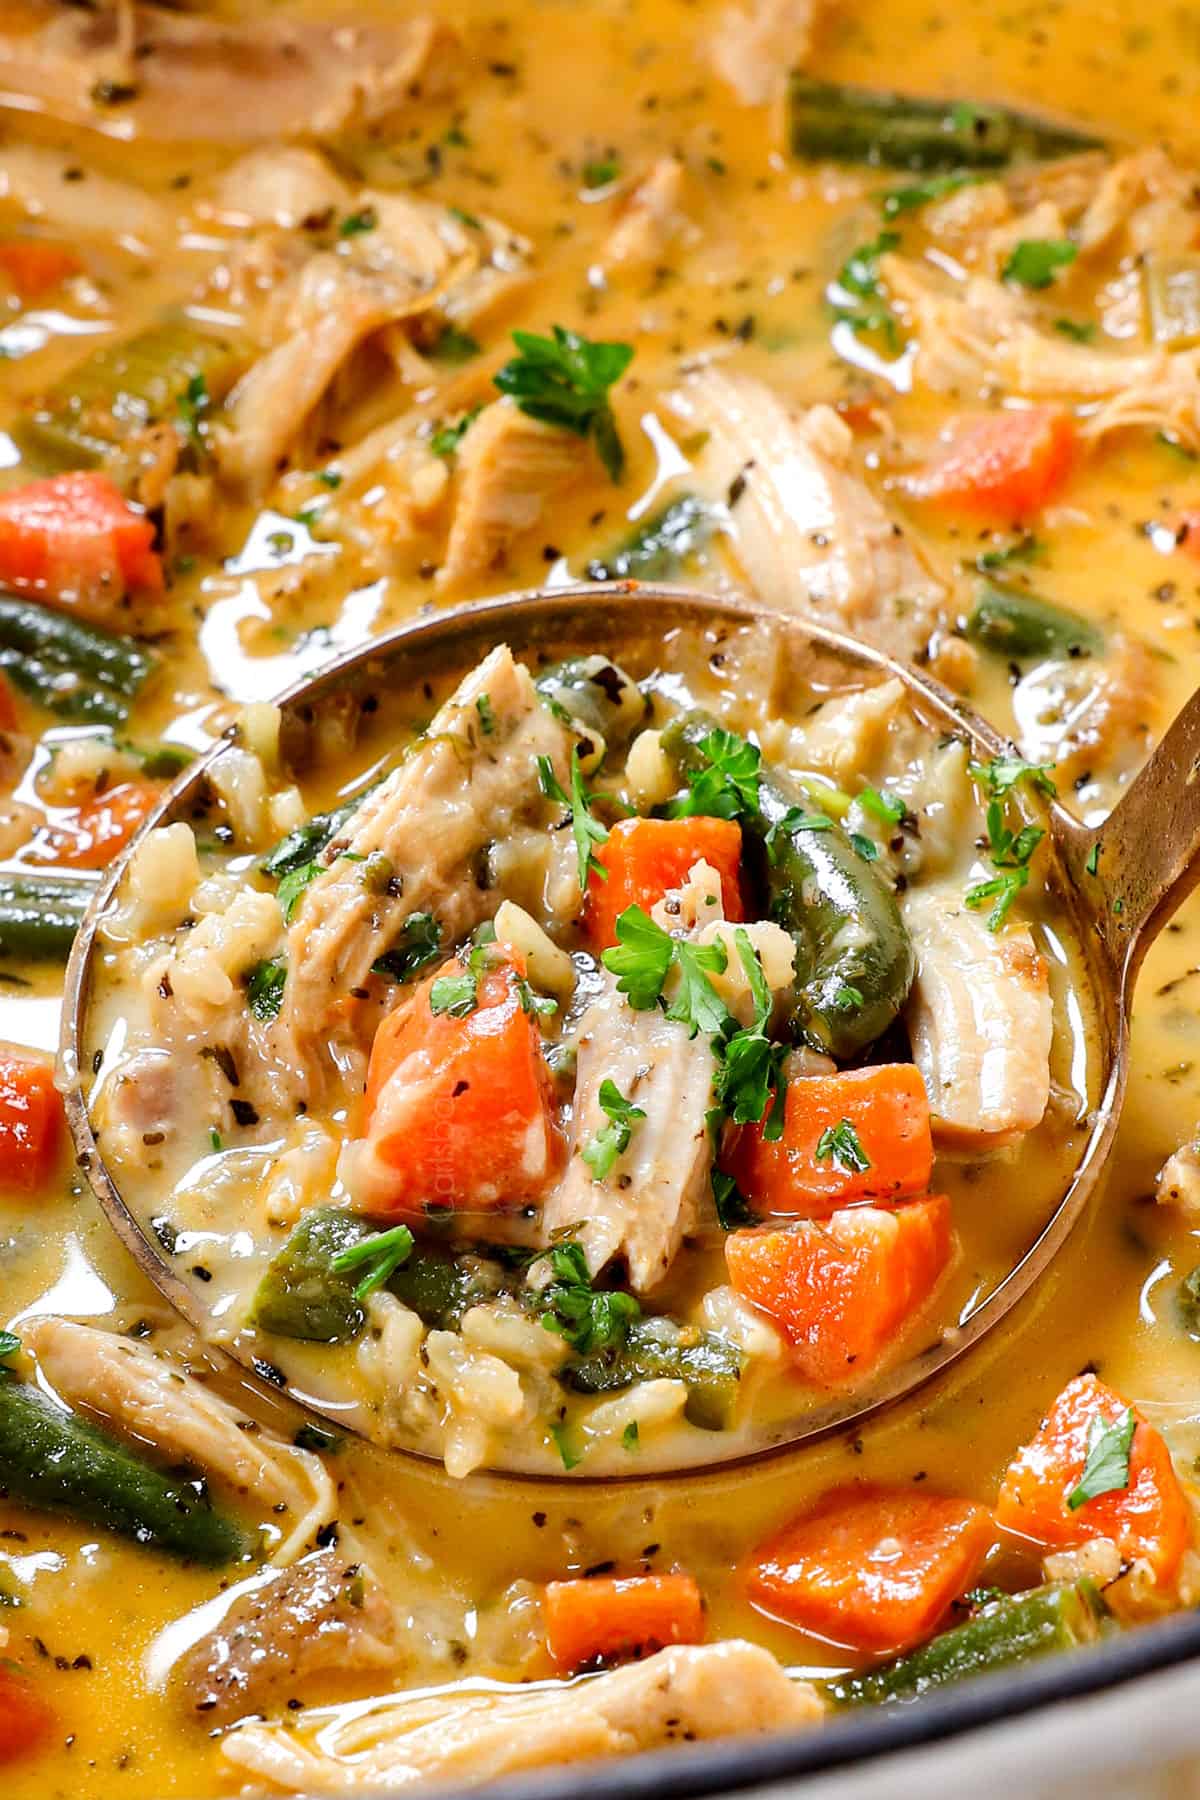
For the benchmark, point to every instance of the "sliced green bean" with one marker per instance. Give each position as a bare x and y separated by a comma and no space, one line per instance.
850,983
75,670
51,1459
1016,624
1014,1629
838,123
661,545
39,916
659,1349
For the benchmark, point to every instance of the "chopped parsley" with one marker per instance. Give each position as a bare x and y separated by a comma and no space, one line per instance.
1034,262
487,718
640,959
1003,773
1026,549
418,944
587,830
356,223
1106,1470
601,173
794,819
10,1343
292,886
565,380
1093,858
864,846
730,1202
1010,852
214,1138
727,788
1079,331
446,440
750,1064
453,346
937,187
613,1139
858,281
264,989
571,1458
888,808
537,1006
329,478
840,1145
378,1257
697,1003
587,1318
457,995
629,1437
192,405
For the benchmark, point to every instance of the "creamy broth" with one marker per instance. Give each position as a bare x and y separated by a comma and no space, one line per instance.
542,104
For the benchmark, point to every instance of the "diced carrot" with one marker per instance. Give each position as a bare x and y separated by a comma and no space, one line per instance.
607,1619
26,1720
459,1111
33,268
76,540
1006,465
646,857
1149,1518
95,832
31,1121
871,1567
887,1110
842,1289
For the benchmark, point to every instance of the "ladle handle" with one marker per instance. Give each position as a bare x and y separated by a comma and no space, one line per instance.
1139,866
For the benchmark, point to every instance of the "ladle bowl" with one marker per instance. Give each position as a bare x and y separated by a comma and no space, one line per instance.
1118,882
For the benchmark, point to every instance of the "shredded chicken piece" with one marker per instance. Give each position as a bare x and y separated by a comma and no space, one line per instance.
651,217
1083,715
459,789
809,533
980,1021
678,1695
756,46
181,75
145,1397
984,335
281,184
510,468
101,207
326,1613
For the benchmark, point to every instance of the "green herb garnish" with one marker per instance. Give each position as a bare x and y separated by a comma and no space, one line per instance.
587,1318
728,787
264,989
446,439
565,380
1034,262
1106,1470
418,944
587,830
840,1145
379,1257
613,1139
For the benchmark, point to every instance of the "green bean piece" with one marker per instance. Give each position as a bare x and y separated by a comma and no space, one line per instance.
661,545
836,123
658,1349
75,670
1015,624
1060,1616
39,916
597,693
51,1459
849,985
122,388
301,1295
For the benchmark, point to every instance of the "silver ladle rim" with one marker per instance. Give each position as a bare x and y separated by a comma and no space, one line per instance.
606,612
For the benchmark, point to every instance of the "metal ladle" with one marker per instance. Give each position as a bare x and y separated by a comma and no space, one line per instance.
1118,884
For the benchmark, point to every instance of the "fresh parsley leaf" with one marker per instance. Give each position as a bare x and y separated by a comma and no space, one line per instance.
585,828
886,807
640,959
264,989
1093,858
1026,549
1106,1470
356,223
937,187
601,173
214,1138
192,405
613,1139
727,788
446,439
456,995
750,1064
571,1458
379,1257
418,943
1003,889
291,888
794,819
730,1202
329,478
10,1343
1034,262
487,718
1003,773
697,1003
587,1318
565,380
840,1144
864,846
454,346
858,279
536,1006
1080,331
629,1437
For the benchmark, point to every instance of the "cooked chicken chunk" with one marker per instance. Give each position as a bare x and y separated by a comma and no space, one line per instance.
143,1396
980,1021
651,217
982,336
808,532
756,46
678,1695
325,1613
510,469
1178,1183
190,76
460,788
